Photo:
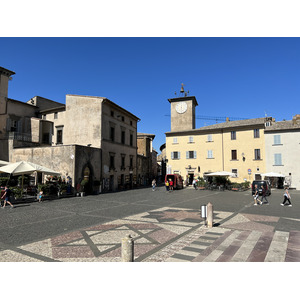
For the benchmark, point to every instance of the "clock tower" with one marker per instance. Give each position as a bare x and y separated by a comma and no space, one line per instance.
183,111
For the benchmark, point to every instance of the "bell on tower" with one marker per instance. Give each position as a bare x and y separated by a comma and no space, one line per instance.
182,89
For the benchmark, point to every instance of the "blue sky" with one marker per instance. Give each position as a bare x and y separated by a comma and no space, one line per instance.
230,77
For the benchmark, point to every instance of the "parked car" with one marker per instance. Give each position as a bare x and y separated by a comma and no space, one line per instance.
177,180
261,183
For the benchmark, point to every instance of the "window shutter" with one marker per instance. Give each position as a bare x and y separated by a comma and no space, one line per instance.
187,154
277,139
195,154
172,155
19,126
8,125
209,154
178,155
277,159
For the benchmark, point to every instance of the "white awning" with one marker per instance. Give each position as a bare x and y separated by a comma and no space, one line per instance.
272,174
221,173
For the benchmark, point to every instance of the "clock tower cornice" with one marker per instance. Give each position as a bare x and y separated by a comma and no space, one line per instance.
187,98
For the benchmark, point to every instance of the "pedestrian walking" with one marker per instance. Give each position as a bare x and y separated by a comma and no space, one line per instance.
167,185
286,197
153,185
264,196
195,184
171,184
6,197
255,196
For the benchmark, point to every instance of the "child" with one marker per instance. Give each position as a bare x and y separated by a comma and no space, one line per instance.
40,196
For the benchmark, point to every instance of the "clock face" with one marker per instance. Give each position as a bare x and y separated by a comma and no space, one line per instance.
181,107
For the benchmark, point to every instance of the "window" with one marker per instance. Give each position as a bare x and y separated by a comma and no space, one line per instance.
209,154
131,162
175,141
123,119
123,137
235,172
14,126
256,133
233,135
191,154
257,154
277,139
55,115
131,139
111,161
191,139
233,155
45,139
277,159
175,155
112,134
59,135
112,114
123,162
209,138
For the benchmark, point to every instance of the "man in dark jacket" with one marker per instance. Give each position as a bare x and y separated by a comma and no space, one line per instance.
6,197
263,193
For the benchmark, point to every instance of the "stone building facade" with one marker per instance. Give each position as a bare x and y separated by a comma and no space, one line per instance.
88,137
147,159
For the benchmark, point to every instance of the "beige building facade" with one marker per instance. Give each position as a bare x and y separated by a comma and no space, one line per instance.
232,146
282,141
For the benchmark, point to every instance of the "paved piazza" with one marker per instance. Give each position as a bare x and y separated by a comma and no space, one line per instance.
174,232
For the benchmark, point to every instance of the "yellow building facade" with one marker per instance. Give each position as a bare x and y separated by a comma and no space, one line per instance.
233,146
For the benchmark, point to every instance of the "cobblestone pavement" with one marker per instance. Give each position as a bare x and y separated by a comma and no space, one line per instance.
169,234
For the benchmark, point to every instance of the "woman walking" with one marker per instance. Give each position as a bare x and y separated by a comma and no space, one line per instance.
286,197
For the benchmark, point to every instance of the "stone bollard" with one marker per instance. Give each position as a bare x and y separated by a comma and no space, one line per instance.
127,248
210,213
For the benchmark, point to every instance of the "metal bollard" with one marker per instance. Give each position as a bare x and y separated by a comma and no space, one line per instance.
127,248
210,214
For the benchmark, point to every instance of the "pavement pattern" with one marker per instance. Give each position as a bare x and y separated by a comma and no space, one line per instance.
169,234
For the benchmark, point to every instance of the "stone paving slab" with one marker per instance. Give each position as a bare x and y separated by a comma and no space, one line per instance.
168,234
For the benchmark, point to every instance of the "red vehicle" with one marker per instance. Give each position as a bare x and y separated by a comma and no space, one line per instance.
177,180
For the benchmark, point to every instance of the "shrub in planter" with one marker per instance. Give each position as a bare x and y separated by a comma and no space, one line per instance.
4,181
45,188
17,192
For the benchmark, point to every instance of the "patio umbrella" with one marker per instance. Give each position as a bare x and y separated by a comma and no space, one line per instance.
273,174
221,173
24,167
3,163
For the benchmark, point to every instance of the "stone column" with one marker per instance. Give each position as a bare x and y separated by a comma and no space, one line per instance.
127,249
210,214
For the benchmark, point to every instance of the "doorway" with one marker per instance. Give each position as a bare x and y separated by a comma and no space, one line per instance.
190,178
